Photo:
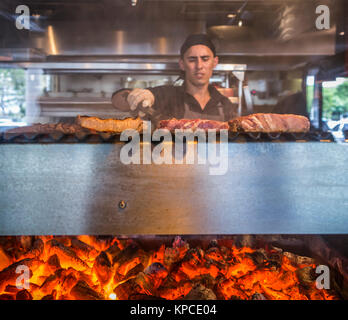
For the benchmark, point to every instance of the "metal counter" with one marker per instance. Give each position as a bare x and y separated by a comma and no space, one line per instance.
269,188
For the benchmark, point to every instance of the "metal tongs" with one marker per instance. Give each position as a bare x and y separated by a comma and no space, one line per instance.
150,114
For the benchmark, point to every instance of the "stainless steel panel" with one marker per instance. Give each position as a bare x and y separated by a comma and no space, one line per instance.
269,188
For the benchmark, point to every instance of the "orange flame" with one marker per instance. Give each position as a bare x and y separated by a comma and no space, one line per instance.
87,267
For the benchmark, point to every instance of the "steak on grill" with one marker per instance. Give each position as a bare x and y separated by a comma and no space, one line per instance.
193,124
109,125
269,122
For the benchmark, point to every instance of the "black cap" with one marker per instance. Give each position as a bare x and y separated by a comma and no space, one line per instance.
195,39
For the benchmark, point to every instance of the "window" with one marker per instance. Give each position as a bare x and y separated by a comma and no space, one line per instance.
12,96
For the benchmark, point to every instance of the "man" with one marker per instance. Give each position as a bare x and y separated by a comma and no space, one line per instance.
196,98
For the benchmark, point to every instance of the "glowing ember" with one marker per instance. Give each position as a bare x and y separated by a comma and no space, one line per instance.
112,296
86,267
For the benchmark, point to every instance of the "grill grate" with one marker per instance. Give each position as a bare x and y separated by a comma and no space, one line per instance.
102,137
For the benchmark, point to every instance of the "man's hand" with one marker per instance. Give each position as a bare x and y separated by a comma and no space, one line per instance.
143,96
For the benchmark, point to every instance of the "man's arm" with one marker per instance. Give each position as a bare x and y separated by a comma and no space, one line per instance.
119,100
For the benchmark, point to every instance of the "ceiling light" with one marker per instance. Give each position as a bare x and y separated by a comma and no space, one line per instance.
231,15
52,40
341,33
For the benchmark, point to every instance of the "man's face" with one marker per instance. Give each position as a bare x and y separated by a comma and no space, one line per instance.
198,63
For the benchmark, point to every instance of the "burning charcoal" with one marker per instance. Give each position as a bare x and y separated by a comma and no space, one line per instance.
26,242
6,296
158,255
83,250
156,272
213,253
213,244
171,290
133,272
101,243
84,277
285,279
179,243
194,256
8,276
7,242
178,274
130,258
128,265
34,289
81,291
227,254
130,274
195,265
50,283
314,294
46,238
53,262
173,255
273,260
125,289
214,257
51,296
271,294
298,260
272,265
228,289
156,269
4,259
103,269
258,296
113,251
65,241
214,268
24,295
68,282
208,281
200,292
67,256
145,283
306,276
227,243
257,257
128,253
275,256
11,289
245,240
36,249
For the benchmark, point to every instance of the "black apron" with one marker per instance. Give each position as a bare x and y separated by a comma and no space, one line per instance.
189,114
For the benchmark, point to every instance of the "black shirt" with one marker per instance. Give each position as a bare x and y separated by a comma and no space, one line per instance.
170,102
